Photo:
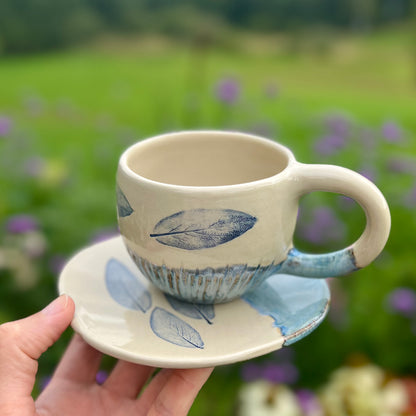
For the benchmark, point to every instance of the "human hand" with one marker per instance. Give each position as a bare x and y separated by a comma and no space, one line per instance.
72,390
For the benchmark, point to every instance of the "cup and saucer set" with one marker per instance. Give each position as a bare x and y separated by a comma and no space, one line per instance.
204,271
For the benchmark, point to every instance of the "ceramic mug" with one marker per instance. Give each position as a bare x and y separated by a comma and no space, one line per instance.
208,215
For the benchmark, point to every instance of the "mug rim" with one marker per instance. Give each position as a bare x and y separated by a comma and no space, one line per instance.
124,165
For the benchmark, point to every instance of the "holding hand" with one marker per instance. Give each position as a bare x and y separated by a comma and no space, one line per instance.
73,389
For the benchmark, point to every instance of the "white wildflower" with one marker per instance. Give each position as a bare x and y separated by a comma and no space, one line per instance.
261,398
362,391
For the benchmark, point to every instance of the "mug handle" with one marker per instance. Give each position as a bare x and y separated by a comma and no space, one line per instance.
330,178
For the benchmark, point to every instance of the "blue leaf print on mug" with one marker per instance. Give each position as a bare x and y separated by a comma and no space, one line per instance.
172,329
124,208
202,228
125,288
192,310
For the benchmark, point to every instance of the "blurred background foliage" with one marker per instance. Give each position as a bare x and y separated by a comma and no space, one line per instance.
33,25
333,80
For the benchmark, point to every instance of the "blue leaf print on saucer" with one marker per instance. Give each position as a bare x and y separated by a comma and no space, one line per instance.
125,288
197,229
192,310
172,329
124,208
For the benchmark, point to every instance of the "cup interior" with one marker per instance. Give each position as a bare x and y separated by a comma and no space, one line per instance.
207,159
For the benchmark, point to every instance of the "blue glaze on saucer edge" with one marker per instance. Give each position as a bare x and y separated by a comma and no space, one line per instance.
296,304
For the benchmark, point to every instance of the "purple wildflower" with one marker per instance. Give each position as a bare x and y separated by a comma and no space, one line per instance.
330,145
308,402
280,373
338,126
101,377
20,224
401,165
251,372
324,227
403,301
368,173
227,90
5,125
391,131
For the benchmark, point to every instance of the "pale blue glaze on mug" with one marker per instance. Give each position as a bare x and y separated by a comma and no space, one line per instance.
337,263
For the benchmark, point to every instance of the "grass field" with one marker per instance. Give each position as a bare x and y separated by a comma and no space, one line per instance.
152,90
72,113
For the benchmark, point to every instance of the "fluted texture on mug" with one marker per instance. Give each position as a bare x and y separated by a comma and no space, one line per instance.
207,285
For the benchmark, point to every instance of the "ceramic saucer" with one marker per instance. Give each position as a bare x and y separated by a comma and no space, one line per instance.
119,312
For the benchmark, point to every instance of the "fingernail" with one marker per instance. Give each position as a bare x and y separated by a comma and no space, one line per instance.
58,305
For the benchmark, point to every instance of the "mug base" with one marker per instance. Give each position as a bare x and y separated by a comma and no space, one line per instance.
204,286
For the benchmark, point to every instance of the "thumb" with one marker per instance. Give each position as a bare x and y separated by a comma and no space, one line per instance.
22,342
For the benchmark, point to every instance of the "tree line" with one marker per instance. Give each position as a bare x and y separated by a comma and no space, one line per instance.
33,25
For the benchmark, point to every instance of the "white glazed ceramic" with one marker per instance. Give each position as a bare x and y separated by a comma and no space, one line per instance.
119,312
208,215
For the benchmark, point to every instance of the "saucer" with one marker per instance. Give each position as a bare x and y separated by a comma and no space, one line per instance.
120,313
